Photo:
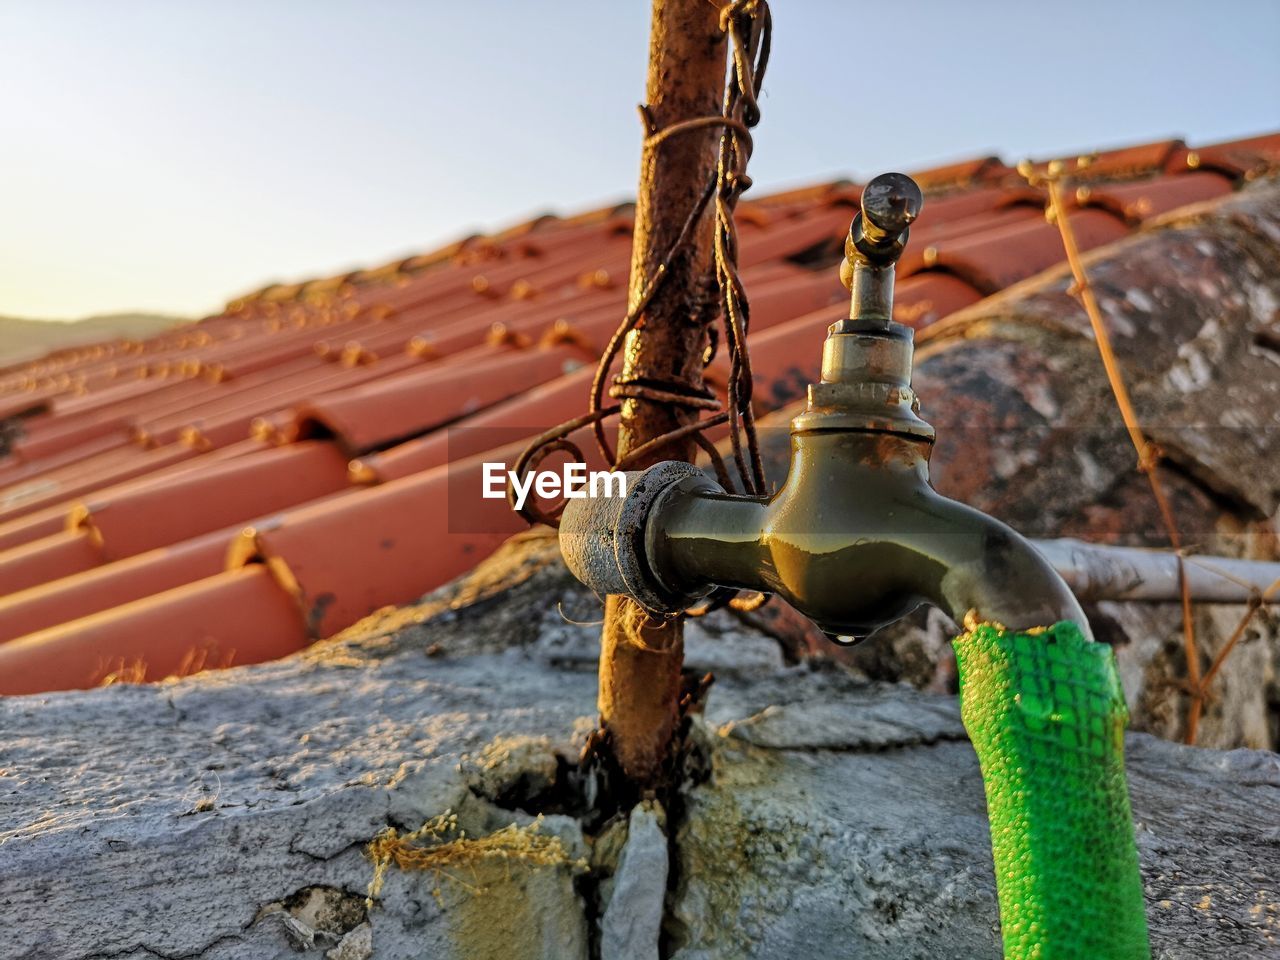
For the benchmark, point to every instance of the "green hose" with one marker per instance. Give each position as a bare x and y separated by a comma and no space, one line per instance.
1046,715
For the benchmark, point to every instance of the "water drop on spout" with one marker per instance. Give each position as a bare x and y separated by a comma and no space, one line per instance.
844,639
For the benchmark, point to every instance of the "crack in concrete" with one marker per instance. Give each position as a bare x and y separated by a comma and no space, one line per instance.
152,951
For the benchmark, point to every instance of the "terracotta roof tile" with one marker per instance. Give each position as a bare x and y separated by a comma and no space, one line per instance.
394,409
1123,163
424,367
20,470
785,359
964,173
516,420
969,203
47,490
194,502
101,588
1238,158
199,393
50,558
104,400
437,337
932,235
66,434
928,297
117,469
27,403
236,617
1145,199
1136,161
343,560
794,236
229,417
995,258
817,194
143,516
790,296
34,526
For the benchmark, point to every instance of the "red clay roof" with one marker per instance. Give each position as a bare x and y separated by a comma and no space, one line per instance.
190,502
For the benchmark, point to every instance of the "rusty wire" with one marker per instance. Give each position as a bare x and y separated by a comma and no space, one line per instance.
541,447
751,37
748,24
1149,454
1256,603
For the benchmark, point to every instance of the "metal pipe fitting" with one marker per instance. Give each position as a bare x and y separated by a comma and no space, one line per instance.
607,545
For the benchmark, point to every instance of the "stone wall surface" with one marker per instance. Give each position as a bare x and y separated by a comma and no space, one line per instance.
225,816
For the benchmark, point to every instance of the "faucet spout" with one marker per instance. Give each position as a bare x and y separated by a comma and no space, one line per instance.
998,576
855,540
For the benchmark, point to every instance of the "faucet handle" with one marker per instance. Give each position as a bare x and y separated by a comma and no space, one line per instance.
890,204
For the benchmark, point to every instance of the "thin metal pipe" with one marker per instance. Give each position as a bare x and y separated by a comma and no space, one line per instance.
1101,572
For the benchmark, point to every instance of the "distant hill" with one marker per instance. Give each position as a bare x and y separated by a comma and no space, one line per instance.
27,339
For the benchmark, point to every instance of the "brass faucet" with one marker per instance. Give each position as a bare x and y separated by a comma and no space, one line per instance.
856,537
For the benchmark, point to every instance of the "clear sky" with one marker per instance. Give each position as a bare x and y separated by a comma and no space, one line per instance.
162,155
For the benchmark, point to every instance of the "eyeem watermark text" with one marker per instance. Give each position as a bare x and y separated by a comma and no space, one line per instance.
572,482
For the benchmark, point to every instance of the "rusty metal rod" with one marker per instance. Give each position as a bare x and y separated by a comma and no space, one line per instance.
640,659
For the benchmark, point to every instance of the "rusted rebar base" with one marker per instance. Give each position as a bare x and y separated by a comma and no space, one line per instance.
640,688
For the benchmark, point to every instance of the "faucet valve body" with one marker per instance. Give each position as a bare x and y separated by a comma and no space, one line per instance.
866,360
856,537
866,382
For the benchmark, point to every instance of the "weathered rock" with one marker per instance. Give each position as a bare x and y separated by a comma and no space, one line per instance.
632,922
357,944
807,843
189,819
1026,422
226,816
1028,431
